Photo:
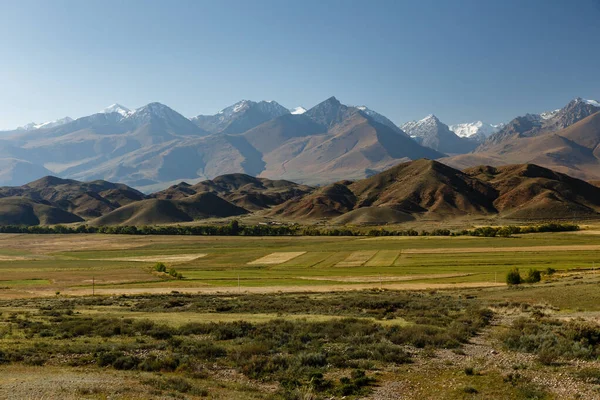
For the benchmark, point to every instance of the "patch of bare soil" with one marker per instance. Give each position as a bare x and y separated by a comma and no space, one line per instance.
156,258
261,289
37,383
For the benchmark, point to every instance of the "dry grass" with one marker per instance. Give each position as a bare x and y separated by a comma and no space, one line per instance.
277,258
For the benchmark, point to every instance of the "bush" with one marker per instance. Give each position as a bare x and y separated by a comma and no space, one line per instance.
533,276
160,267
513,277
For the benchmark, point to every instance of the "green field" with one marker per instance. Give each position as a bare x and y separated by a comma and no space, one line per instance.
51,263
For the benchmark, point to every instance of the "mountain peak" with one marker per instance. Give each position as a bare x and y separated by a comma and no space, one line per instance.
117,108
328,113
154,108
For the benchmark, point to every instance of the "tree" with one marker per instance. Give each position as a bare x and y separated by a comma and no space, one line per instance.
533,276
513,277
234,227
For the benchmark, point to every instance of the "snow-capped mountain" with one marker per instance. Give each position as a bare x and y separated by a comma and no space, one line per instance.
298,110
380,118
117,108
421,128
45,125
546,122
433,133
241,116
477,130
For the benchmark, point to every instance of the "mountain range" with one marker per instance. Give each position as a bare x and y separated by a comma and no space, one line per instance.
565,140
411,191
154,147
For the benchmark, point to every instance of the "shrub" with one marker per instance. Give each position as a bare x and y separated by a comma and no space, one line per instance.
160,267
513,277
125,363
533,276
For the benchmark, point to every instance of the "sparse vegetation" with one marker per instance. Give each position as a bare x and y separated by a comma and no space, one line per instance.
296,353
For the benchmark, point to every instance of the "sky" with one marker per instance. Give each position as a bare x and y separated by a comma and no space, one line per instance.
463,60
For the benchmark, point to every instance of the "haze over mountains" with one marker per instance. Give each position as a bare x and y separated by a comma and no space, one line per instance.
153,147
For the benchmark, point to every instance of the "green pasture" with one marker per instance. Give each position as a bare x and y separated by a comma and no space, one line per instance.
323,263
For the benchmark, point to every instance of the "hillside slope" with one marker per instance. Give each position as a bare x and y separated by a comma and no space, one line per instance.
160,211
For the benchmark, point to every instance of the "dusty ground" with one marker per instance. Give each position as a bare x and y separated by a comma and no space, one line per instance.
262,289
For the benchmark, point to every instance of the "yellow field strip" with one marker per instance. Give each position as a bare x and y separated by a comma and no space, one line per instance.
277,258
357,258
525,249
383,258
159,258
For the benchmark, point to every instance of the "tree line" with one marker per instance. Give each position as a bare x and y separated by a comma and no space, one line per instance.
234,228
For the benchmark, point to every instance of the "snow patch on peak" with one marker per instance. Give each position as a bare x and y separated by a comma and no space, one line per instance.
298,110
477,129
45,125
549,114
117,108
592,103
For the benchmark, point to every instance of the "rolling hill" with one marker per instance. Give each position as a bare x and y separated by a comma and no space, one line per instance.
160,211
23,211
242,190
84,199
414,190
429,189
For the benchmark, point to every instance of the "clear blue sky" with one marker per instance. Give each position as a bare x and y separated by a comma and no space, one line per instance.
462,60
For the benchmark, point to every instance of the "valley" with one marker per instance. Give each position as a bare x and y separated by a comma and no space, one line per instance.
90,316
